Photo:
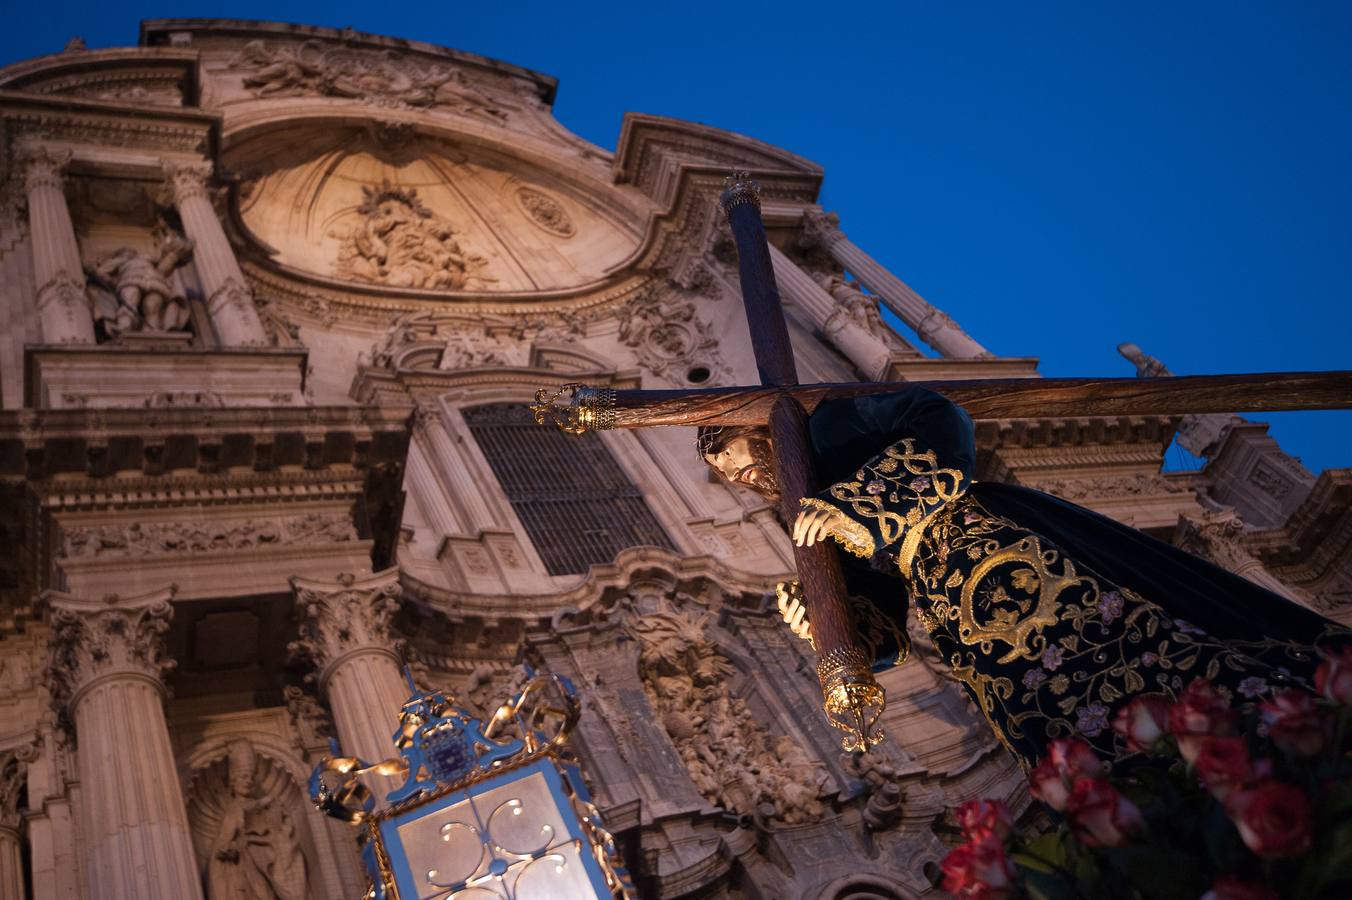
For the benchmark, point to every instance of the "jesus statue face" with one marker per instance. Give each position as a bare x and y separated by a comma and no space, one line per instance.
744,459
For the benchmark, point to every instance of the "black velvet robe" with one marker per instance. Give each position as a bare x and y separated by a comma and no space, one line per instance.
1051,615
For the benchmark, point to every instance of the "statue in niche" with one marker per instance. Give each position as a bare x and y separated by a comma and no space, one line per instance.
134,292
399,242
731,758
255,854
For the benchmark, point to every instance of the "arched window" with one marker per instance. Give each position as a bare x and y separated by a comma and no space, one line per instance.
572,497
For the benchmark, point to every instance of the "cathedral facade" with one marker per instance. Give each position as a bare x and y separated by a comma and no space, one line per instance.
276,300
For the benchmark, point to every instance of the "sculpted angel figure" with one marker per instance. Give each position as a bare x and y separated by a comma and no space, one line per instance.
1052,616
134,291
255,855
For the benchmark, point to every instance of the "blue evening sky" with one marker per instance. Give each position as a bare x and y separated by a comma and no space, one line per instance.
1059,177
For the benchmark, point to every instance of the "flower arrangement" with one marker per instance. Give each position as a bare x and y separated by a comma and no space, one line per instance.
1216,803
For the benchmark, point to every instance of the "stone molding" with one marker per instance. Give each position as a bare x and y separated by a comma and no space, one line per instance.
345,618
140,539
95,640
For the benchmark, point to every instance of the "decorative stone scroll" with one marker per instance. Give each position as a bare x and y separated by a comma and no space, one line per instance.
545,212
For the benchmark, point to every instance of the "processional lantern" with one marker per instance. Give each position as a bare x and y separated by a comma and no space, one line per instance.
489,810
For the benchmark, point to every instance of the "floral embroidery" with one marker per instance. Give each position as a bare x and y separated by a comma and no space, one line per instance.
1052,657
1110,606
1091,720
1033,677
875,487
1252,687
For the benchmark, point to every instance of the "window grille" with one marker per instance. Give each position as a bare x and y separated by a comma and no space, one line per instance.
571,495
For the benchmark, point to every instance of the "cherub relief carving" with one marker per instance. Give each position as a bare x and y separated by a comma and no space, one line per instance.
133,291
381,77
730,756
399,242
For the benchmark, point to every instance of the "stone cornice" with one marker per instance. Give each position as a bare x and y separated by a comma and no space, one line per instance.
538,608
58,73
1319,532
92,127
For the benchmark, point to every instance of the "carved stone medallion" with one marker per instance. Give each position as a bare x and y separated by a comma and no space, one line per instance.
545,211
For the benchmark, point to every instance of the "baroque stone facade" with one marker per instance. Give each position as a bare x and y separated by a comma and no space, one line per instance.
258,282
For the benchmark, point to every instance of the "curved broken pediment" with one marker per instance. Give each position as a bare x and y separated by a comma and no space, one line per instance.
388,208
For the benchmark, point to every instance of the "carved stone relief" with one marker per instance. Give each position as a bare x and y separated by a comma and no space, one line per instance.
858,308
670,338
545,211
1266,478
379,77
335,623
733,760
431,341
243,824
308,717
1106,486
399,242
153,538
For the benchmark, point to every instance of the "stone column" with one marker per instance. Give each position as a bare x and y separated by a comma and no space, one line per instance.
229,300
63,305
106,677
11,851
449,463
345,634
836,319
933,325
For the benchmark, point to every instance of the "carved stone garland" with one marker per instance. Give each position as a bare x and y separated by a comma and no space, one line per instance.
731,757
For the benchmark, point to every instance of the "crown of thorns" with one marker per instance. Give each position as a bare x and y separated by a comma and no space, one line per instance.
710,438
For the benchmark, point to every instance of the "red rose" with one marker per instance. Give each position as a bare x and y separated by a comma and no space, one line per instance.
1333,678
1232,888
1099,815
1293,722
979,818
979,870
1143,721
1272,818
1201,712
1067,761
1224,765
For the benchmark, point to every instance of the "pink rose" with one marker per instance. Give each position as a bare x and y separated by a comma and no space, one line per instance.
1333,678
1272,818
1099,815
979,870
1143,721
1294,723
1067,761
1223,764
1201,712
979,818
1232,888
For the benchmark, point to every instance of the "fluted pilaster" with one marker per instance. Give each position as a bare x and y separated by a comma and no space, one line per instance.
63,304
106,677
345,634
229,300
449,465
934,326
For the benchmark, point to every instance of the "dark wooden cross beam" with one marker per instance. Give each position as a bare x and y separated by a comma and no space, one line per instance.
853,699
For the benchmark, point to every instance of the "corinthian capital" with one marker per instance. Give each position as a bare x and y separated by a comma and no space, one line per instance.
92,640
187,180
340,618
820,229
43,167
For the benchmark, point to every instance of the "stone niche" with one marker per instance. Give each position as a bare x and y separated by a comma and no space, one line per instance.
392,209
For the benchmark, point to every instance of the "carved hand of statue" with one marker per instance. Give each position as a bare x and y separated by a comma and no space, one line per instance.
789,597
815,524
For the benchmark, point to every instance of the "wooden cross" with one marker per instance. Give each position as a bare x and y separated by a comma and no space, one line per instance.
852,698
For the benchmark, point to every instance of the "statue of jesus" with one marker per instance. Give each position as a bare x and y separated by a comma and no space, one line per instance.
1051,615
